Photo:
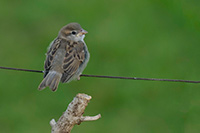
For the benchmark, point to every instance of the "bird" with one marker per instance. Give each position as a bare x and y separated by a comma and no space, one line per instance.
66,57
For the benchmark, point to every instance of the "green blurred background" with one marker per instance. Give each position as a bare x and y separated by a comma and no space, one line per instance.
141,38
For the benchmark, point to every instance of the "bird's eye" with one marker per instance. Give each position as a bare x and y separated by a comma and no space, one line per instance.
73,32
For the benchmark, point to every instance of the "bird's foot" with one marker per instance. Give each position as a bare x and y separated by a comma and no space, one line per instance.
78,78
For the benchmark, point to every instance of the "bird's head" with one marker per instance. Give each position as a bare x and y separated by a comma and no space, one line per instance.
72,31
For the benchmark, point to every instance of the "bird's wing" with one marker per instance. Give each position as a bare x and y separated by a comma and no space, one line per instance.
50,55
74,57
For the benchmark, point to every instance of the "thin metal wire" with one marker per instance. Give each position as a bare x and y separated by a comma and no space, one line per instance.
136,78
111,77
19,69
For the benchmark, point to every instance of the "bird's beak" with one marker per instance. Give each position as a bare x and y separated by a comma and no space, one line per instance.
83,32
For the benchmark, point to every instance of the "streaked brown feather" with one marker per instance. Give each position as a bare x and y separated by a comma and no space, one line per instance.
73,58
50,55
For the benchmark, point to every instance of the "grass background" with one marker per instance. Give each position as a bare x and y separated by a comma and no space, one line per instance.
142,38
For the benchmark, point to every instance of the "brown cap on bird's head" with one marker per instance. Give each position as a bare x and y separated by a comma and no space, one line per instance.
72,29
73,26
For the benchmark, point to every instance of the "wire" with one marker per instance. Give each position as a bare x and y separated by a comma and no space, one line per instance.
111,77
19,69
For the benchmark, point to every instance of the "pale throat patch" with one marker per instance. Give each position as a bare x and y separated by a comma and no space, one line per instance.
80,38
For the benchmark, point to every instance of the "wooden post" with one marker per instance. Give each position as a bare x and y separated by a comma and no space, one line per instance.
73,115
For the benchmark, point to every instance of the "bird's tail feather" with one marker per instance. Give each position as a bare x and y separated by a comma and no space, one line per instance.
52,80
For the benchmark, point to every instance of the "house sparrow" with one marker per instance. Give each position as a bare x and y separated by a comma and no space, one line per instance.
66,58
